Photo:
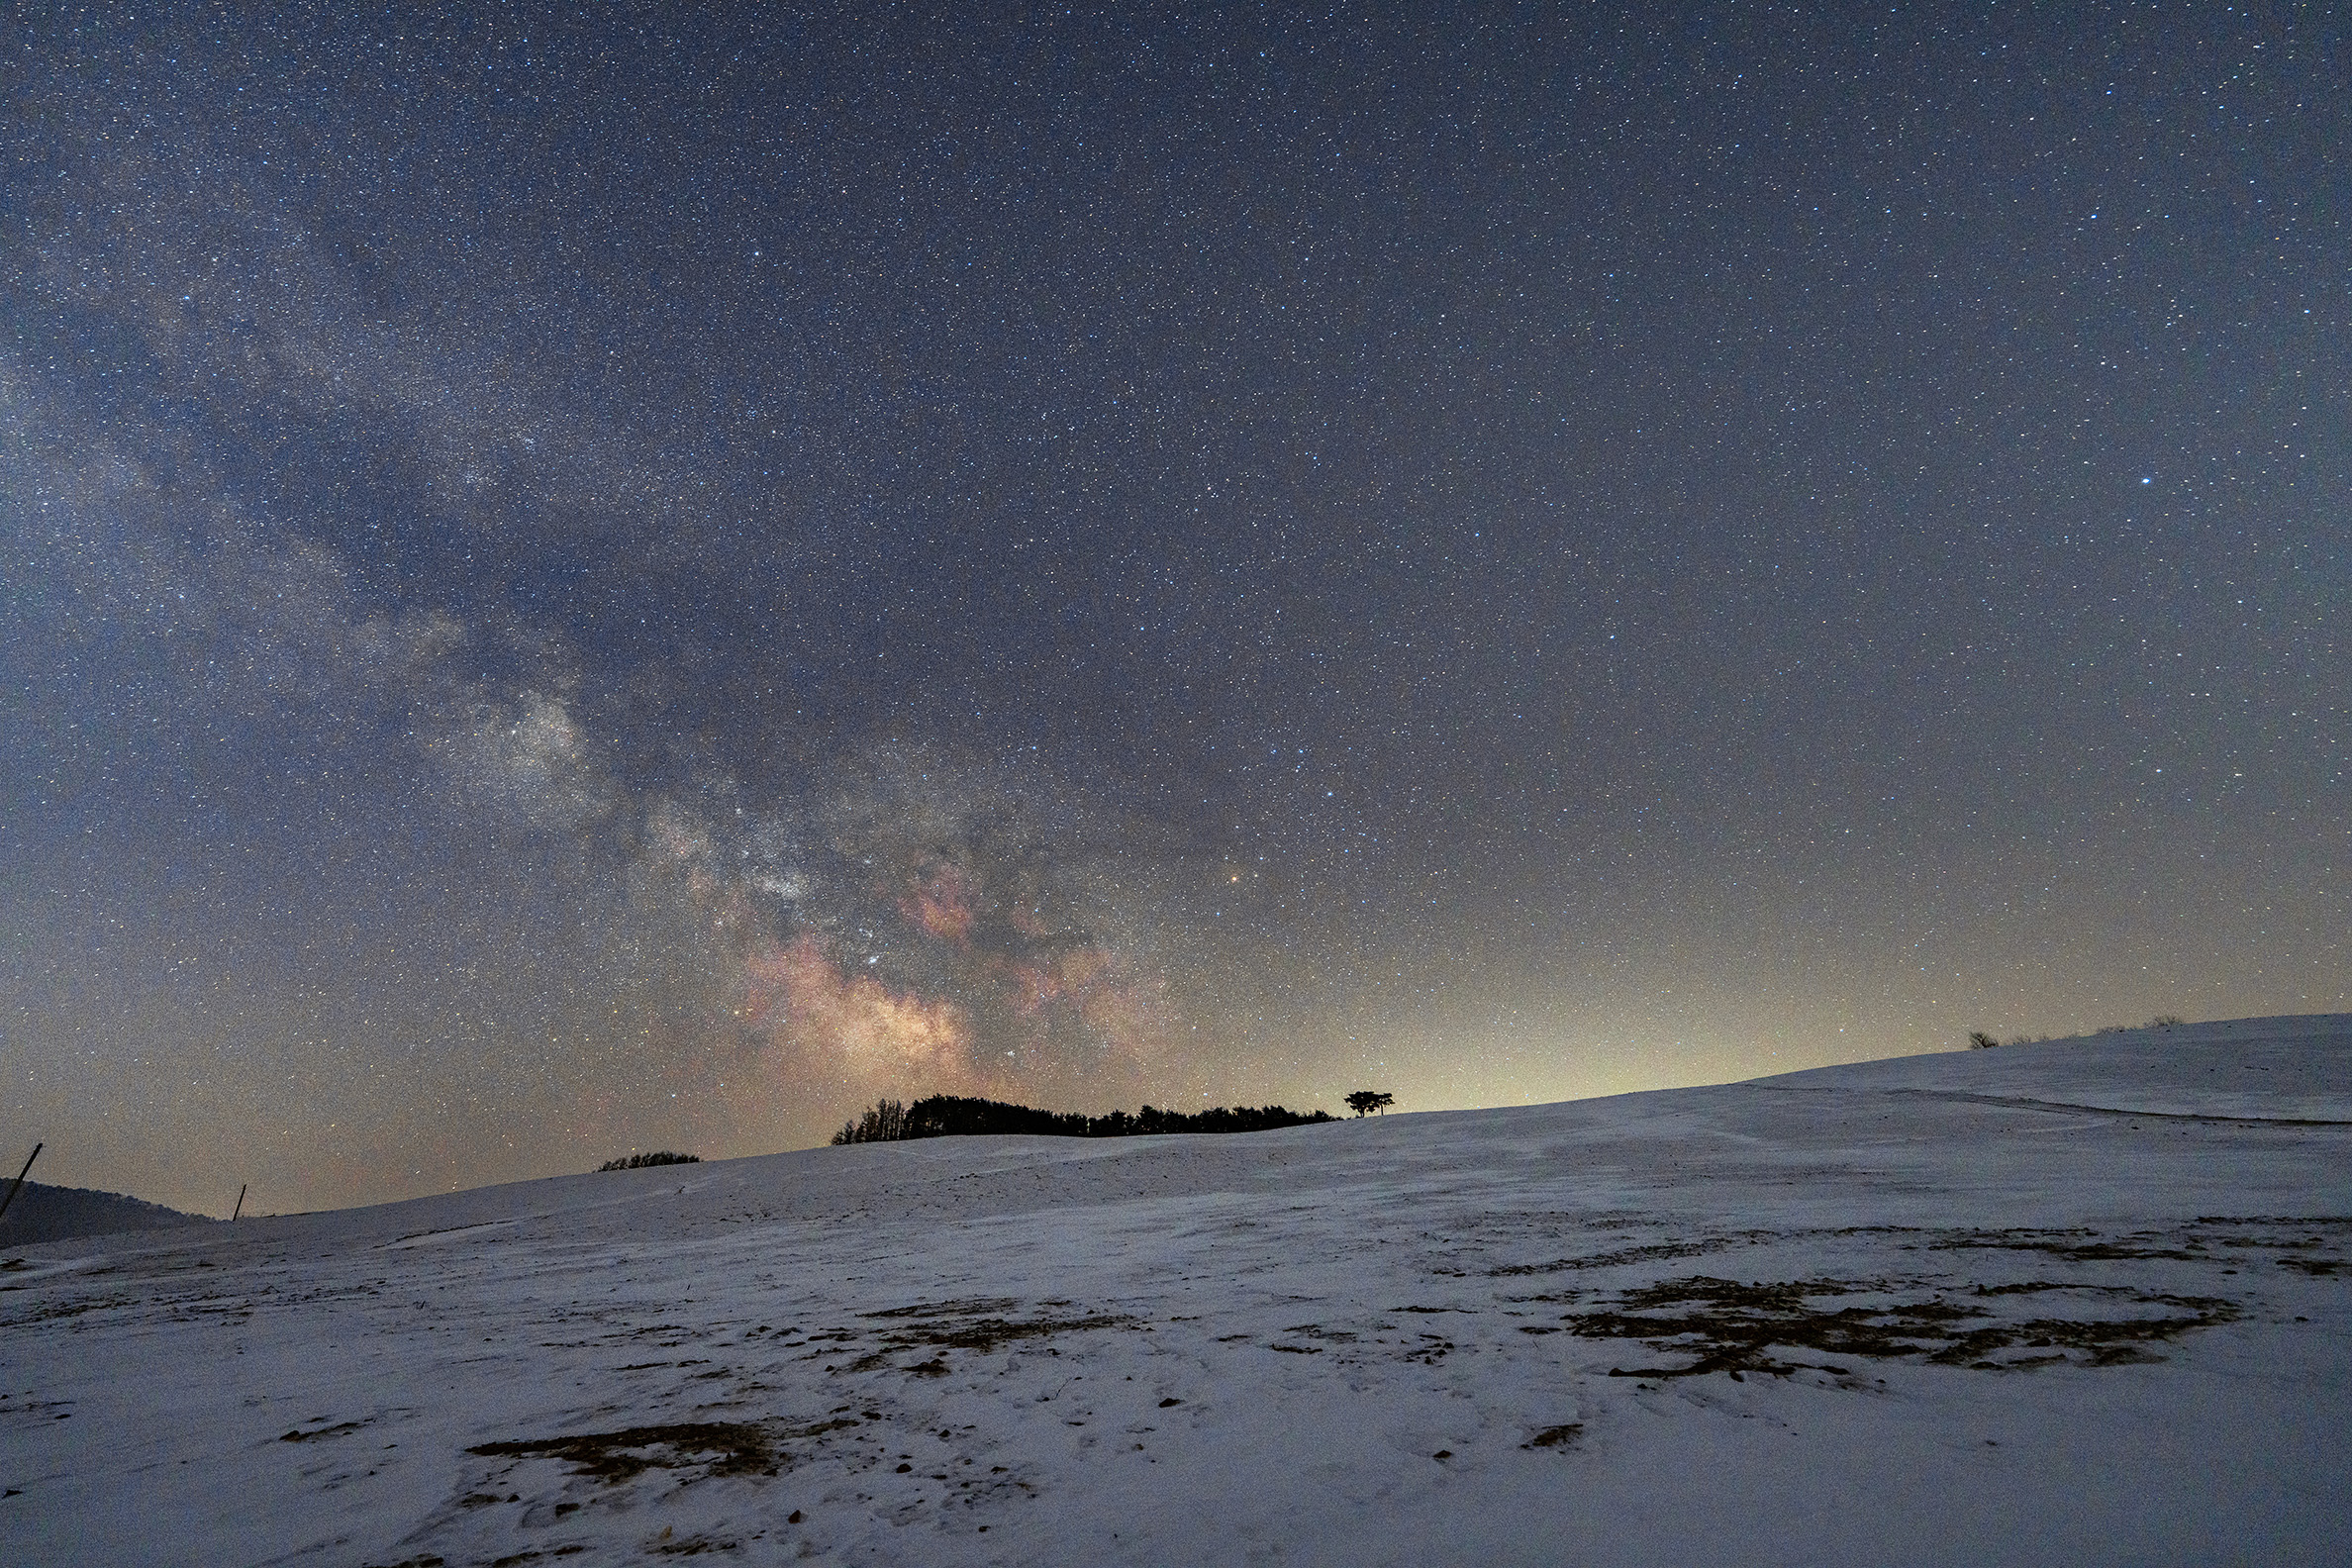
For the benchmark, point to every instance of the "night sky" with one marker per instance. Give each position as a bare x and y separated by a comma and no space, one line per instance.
605,576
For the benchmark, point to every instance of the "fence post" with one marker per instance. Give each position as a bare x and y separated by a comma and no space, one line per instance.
20,1181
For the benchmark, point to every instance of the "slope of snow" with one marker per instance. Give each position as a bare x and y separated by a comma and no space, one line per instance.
2080,1302
2271,1068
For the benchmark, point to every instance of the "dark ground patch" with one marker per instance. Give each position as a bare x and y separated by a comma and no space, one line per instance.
2188,1243
970,1306
1732,1327
1660,1252
724,1447
2075,1247
975,1334
694,1545
339,1429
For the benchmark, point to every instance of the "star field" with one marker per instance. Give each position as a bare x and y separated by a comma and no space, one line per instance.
601,577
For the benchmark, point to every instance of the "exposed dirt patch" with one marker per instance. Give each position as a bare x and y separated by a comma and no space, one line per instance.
1726,1325
61,1311
1660,1252
694,1545
969,1308
723,1448
2068,1244
2189,1243
339,1429
980,1333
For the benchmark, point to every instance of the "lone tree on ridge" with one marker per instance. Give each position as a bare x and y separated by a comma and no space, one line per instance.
1365,1100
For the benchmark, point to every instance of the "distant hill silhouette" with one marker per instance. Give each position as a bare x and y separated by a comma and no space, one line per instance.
59,1214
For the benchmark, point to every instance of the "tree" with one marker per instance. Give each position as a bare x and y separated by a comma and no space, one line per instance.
641,1161
1978,1039
886,1122
1365,1100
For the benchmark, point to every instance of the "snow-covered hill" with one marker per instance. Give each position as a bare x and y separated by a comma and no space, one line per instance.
2082,1302
42,1213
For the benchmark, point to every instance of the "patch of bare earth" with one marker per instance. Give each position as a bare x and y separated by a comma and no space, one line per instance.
1736,1327
970,1325
720,1448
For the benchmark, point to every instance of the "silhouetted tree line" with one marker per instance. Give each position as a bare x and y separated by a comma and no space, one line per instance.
1978,1039
884,1123
953,1115
641,1161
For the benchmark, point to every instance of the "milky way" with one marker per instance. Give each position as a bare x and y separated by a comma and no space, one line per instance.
590,580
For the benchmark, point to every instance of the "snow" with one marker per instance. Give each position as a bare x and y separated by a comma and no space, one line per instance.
2082,1301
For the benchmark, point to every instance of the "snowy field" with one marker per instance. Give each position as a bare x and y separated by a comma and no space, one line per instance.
2082,1302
